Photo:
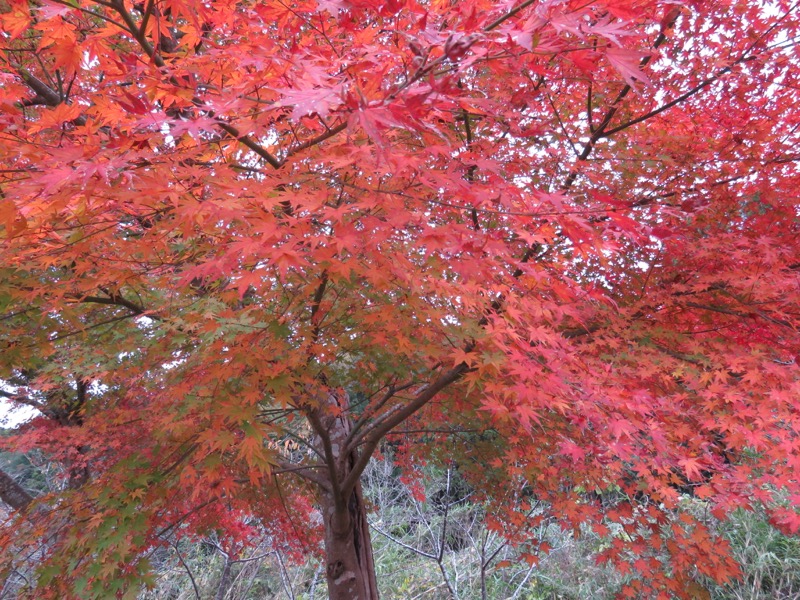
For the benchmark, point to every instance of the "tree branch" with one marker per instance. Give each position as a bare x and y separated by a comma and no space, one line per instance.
250,143
369,411
402,544
140,36
495,24
598,132
372,434
304,471
13,493
114,300
685,96
315,140
328,456
44,93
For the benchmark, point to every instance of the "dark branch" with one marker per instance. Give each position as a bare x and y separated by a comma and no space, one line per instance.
13,493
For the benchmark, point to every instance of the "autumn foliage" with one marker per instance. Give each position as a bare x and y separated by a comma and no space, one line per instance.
245,244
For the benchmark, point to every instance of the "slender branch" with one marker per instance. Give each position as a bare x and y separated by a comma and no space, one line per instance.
506,542
446,514
306,472
44,93
148,11
316,302
252,558
89,327
192,447
141,37
185,516
736,313
495,24
402,544
744,57
315,140
328,455
699,87
369,411
188,570
285,581
342,126
249,142
372,434
561,124
471,170
598,133
688,358
433,431
114,300
27,400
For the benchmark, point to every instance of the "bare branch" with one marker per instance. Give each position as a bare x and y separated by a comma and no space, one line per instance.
305,472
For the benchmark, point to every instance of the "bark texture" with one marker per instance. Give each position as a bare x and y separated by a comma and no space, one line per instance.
13,493
349,568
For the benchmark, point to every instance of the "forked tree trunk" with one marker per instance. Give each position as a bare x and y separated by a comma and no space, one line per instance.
349,565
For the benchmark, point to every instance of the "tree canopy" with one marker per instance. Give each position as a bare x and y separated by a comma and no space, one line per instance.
244,245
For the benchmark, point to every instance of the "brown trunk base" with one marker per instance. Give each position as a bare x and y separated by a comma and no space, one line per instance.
349,568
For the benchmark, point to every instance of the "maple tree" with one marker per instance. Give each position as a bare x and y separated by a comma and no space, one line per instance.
246,243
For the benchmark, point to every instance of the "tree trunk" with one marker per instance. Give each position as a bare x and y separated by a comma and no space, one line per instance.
349,567
225,578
